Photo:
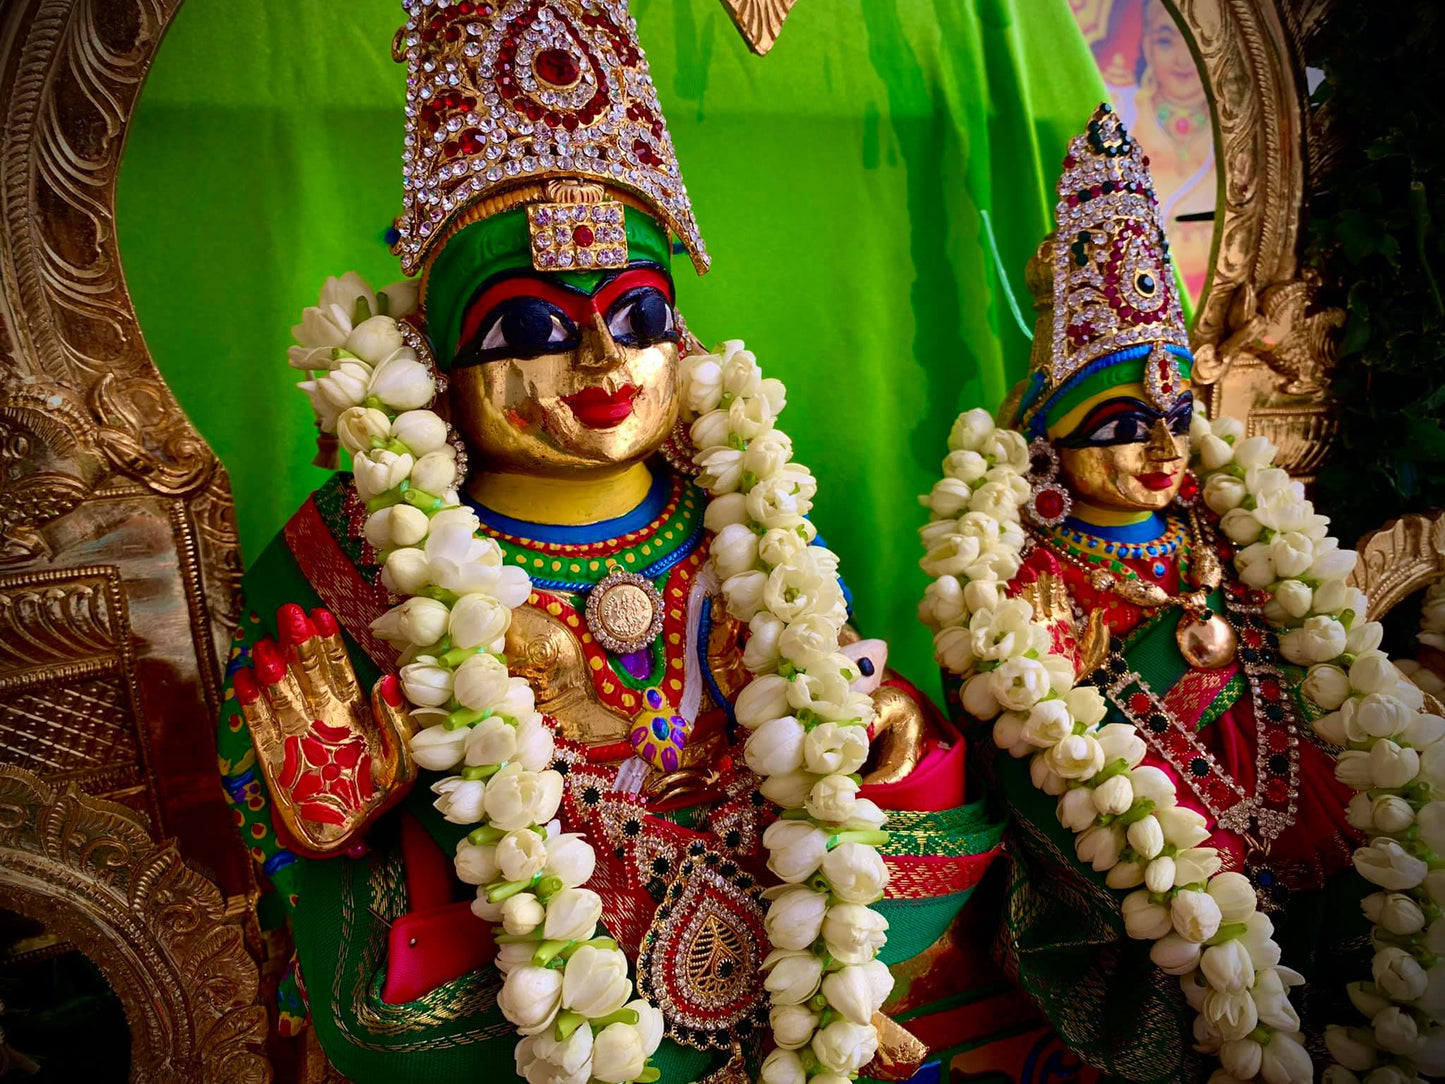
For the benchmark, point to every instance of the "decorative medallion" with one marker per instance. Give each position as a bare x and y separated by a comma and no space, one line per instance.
624,612
701,959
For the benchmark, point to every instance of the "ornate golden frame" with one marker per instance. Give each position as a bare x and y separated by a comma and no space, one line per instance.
119,575
157,930
1404,556
1263,348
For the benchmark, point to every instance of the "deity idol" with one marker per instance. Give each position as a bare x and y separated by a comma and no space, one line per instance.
1183,694
617,729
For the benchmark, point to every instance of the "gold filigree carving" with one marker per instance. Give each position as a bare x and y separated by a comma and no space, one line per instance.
156,929
1262,351
759,21
120,593
68,706
1402,557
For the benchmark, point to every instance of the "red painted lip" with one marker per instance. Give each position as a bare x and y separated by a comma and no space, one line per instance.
1157,481
596,408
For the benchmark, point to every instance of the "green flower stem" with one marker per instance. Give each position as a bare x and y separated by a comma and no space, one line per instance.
440,594
458,655
605,943
481,771
649,1075
485,834
464,717
621,1016
441,647
549,951
1228,931
567,1023
547,886
1108,771
868,836
518,938
420,498
383,500
1137,812
507,889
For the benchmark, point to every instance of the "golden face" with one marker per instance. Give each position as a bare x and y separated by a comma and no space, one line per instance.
550,380
1124,455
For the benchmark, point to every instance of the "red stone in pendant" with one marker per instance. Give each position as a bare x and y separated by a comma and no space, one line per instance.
557,66
583,236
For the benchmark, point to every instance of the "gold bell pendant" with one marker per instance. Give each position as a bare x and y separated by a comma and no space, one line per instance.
1206,640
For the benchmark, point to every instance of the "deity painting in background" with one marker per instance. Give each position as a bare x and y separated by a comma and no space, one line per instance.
1155,87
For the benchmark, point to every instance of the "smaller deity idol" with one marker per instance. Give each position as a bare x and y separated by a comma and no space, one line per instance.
574,560
1133,643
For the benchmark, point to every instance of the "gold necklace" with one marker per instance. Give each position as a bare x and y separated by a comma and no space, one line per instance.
1206,640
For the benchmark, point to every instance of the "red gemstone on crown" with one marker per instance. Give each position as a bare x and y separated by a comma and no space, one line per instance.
583,237
557,66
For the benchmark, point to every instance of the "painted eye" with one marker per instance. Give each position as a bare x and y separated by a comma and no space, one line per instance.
642,316
1179,423
527,325
1144,283
1125,430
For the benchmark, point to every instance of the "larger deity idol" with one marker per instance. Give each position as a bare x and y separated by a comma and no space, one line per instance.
1193,728
563,757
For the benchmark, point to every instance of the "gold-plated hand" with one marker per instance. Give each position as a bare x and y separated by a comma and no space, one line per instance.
333,762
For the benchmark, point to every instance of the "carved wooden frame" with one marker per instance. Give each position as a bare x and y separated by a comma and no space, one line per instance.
1404,556
157,930
119,575
1263,351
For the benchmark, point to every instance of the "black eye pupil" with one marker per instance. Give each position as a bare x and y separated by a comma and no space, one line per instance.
1127,430
649,316
527,325
1145,284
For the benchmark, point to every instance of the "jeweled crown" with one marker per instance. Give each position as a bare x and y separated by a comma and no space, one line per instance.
1113,279
502,97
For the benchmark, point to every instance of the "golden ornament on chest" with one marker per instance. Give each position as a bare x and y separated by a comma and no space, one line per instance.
624,612
1206,640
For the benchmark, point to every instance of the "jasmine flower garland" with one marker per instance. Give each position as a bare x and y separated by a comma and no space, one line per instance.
1391,752
1205,925
566,989
809,728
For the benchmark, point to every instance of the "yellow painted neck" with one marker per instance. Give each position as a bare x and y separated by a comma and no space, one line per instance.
1096,516
565,502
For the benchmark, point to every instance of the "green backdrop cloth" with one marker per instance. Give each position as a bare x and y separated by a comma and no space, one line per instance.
841,182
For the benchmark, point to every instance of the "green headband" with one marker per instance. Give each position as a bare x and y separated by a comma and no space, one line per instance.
503,243
1039,411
